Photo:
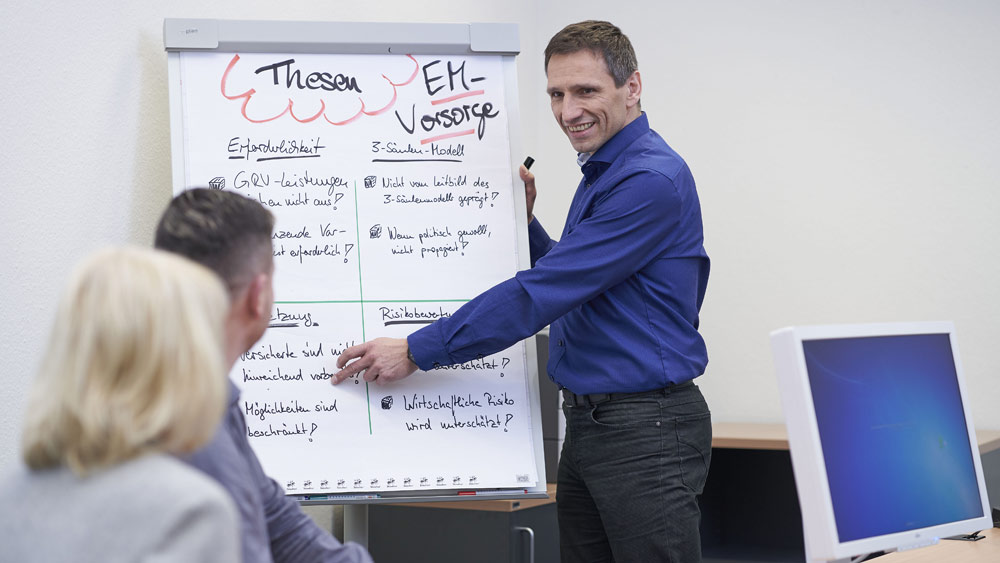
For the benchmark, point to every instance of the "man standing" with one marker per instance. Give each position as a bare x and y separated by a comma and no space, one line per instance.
231,235
622,290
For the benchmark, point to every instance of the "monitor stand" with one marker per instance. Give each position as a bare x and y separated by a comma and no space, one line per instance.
974,536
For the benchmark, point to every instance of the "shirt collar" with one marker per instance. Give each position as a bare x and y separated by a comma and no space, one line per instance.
610,150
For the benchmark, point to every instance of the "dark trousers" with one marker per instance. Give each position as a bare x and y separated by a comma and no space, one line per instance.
629,475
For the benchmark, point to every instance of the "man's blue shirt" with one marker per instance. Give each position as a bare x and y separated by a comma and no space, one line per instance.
622,287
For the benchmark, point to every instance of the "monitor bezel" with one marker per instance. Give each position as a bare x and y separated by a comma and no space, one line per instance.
819,526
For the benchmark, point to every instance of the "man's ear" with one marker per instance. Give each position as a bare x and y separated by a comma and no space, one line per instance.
257,301
634,86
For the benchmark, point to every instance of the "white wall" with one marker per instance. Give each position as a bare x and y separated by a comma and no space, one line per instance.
845,154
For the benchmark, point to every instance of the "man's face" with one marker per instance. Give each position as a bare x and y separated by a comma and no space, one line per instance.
588,106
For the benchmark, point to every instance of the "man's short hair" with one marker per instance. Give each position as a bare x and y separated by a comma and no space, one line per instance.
600,37
228,233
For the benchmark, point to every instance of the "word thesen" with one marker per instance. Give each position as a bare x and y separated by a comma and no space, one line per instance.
313,81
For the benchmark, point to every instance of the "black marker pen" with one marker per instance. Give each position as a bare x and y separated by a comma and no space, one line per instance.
528,162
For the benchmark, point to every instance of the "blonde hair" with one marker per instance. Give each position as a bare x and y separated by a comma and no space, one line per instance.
134,363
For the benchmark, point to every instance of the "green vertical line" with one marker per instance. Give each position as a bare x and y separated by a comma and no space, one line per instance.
361,292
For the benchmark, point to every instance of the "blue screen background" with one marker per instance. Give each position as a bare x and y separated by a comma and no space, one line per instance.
893,433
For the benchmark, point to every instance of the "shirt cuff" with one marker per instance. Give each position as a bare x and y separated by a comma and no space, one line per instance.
427,347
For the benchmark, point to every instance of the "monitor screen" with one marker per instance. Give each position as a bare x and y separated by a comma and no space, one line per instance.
879,434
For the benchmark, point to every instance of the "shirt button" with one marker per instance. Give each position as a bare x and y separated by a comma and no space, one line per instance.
561,342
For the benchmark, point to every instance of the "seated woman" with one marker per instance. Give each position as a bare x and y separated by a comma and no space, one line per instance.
132,376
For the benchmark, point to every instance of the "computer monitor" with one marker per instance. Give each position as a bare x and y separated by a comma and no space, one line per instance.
882,441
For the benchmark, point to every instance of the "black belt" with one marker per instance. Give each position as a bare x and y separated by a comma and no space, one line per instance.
574,400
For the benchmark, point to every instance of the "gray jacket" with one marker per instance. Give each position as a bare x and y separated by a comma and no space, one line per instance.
151,509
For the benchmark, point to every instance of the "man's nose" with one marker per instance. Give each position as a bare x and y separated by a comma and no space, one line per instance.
571,109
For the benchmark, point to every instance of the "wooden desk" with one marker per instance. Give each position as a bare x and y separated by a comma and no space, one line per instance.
752,436
951,551
750,508
749,436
